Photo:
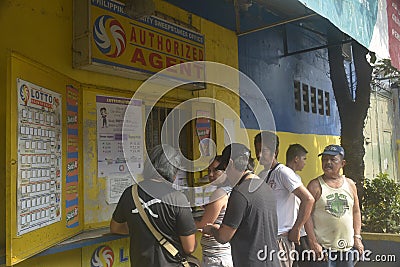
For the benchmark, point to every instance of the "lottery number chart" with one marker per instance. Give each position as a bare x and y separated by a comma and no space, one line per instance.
39,157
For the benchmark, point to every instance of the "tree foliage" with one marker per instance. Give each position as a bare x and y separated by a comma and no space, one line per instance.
381,205
384,68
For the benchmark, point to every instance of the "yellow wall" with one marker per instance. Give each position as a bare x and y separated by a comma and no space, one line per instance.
97,211
3,72
41,30
64,259
314,144
21,247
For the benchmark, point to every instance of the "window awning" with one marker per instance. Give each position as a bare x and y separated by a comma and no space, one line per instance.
374,24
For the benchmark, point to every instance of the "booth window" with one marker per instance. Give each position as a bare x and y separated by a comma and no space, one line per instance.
154,128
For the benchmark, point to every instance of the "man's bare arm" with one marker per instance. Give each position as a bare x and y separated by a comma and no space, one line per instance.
306,205
119,228
356,218
222,234
188,243
315,190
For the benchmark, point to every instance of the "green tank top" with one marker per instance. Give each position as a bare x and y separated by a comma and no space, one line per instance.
333,216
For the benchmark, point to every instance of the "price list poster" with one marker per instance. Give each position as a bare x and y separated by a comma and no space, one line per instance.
39,157
110,154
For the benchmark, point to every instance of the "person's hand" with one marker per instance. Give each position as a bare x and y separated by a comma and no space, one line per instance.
208,229
294,235
317,248
359,246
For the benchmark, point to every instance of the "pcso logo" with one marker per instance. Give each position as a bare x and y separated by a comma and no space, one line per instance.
104,28
103,256
24,93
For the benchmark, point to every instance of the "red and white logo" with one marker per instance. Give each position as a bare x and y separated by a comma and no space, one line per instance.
109,36
103,256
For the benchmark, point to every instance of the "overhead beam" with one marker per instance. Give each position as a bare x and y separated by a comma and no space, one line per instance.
316,48
277,24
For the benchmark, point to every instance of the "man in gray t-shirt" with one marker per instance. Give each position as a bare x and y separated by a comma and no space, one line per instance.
250,222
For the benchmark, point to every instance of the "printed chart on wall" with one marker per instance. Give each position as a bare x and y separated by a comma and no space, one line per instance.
111,160
39,157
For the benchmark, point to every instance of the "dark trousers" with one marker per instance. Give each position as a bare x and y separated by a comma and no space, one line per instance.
302,262
337,259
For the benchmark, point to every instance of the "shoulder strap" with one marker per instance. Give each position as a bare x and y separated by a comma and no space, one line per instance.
160,238
270,172
244,177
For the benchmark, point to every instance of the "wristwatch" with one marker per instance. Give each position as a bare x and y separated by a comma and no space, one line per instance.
358,236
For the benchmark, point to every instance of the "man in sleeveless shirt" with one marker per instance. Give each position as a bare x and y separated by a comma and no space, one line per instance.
287,188
334,227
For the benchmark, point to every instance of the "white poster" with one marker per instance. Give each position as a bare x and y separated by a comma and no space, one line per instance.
180,180
116,186
110,153
39,157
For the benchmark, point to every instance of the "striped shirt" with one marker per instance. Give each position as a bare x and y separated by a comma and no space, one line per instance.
211,247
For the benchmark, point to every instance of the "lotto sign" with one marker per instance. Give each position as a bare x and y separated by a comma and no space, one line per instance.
143,46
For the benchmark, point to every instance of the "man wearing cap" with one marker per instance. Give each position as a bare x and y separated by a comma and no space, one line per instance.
287,188
335,223
250,221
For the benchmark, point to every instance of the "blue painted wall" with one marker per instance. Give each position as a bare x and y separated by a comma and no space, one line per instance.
222,12
260,57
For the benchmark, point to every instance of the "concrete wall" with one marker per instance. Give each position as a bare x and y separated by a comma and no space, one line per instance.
380,134
261,57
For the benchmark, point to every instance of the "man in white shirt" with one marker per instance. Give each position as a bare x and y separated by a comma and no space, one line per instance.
286,186
296,156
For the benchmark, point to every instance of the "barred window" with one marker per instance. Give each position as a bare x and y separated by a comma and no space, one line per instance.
297,96
156,120
313,99
308,98
320,102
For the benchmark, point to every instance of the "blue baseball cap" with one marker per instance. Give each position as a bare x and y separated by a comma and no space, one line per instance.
333,150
